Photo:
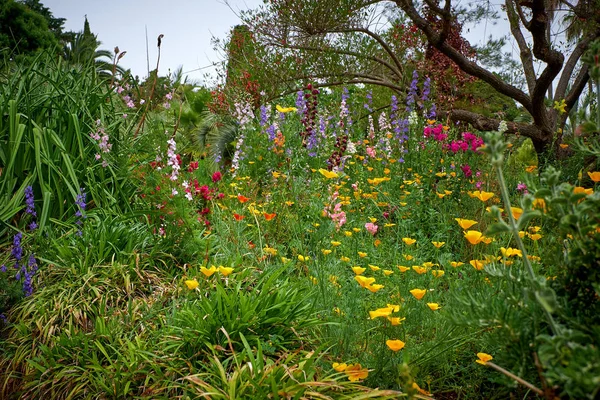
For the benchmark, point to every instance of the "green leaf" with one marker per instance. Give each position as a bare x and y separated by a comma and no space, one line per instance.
547,298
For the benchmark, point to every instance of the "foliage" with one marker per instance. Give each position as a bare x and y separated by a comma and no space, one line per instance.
23,31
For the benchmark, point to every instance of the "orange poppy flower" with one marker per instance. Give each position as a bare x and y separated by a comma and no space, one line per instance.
269,217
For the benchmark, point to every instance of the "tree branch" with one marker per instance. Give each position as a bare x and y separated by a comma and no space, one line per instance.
577,87
525,52
570,65
378,39
542,50
483,123
463,62
378,60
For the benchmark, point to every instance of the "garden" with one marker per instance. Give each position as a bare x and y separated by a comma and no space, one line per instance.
162,239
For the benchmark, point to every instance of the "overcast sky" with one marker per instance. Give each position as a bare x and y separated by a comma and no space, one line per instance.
188,26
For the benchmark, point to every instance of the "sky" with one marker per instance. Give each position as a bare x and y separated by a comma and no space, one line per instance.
187,26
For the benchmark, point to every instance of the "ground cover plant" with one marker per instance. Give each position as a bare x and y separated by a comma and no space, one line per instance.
332,244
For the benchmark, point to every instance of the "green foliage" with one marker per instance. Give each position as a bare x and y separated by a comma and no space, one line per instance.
265,311
48,111
478,96
23,31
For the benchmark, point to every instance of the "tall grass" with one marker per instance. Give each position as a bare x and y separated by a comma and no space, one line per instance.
47,110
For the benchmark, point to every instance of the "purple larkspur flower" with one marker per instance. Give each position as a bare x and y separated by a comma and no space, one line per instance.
29,201
426,89
17,251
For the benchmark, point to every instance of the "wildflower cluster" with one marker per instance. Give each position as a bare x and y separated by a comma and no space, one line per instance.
102,140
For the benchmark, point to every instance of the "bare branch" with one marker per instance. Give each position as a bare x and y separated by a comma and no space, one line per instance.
378,39
378,60
525,52
570,65
483,123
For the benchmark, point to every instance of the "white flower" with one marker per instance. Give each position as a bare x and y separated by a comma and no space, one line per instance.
351,148
174,192
413,118
502,127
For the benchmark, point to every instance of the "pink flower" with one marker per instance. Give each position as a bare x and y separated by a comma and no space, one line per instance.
371,227
217,176
466,169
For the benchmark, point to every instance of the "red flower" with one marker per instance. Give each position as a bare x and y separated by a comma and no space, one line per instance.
269,217
238,217
217,176
193,166
242,199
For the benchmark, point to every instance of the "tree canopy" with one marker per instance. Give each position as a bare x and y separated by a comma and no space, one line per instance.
376,42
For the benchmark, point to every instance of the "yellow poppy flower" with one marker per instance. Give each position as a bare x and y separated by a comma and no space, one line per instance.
328,174
407,257
438,244
433,306
303,258
345,259
395,320
270,250
363,281
579,189
356,230
225,271
535,237
326,251
418,293
516,212
374,267
340,367
481,195
465,223
335,244
208,271
362,254
438,273
595,176
358,270
387,272
474,237
483,358
487,240
380,312
374,288
456,263
356,372
191,284
510,252
419,270
395,345
402,268
285,109
409,241
477,264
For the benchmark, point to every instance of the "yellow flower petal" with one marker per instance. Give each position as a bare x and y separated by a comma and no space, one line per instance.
395,345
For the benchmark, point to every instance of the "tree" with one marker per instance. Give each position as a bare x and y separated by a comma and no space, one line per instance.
23,31
375,42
